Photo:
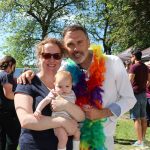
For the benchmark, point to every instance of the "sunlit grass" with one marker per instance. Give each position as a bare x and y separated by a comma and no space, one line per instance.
125,135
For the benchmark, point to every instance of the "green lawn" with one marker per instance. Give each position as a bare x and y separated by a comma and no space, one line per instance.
125,136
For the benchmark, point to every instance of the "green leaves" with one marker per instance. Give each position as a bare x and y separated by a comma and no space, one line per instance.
117,24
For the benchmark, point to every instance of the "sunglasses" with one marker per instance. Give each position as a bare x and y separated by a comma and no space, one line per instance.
56,56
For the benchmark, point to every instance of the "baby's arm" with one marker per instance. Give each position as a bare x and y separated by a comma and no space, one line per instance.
42,104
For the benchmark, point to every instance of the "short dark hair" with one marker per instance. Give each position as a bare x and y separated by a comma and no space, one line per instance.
75,27
137,53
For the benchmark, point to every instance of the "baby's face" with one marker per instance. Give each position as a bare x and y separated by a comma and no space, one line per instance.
63,86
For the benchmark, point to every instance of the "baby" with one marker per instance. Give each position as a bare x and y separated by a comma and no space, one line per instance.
63,87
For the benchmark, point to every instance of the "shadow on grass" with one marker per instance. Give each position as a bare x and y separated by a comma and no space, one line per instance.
124,141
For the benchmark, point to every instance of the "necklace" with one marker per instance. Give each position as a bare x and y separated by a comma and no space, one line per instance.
87,84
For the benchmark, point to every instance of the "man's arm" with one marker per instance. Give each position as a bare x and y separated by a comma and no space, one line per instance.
131,77
125,100
27,75
94,113
148,81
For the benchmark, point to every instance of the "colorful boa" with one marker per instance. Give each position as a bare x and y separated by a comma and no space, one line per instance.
89,92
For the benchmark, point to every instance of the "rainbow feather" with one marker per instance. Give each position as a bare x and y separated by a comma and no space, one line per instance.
92,135
90,93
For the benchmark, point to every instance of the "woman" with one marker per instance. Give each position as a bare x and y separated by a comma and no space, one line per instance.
38,134
9,124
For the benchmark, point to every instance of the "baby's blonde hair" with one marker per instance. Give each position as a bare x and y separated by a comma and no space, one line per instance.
63,74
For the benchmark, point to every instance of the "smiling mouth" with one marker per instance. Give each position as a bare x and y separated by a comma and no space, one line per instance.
77,54
51,65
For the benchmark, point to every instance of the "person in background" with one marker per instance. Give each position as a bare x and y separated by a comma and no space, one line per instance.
138,75
148,105
63,87
9,123
148,97
39,134
103,90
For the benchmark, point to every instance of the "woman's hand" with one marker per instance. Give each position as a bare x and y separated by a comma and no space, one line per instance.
59,104
27,75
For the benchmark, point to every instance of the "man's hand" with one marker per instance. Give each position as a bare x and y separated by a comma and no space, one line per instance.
28,75
94,113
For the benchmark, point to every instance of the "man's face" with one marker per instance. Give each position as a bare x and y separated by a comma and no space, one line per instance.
132,59
77,44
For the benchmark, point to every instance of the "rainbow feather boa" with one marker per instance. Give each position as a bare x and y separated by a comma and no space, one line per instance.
89,92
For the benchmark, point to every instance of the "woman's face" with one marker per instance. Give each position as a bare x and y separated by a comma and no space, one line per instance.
51,57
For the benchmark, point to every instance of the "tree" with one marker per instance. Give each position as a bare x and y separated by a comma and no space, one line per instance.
96,15
130,24
118,24
30,21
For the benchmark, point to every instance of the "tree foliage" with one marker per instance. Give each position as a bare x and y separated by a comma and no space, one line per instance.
95,16
118,24
130,24
30,21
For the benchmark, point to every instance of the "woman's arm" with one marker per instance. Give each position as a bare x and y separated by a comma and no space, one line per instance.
60,104
23,106
8,92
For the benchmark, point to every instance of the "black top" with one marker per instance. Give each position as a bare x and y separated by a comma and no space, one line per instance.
38,140
6,105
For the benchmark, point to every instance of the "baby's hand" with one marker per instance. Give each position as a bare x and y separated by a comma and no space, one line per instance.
37,115
51,94
54,93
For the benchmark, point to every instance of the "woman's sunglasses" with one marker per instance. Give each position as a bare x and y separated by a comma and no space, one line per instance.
56,56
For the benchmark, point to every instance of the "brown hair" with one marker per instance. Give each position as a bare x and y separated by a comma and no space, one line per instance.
75,27
40,45
7,61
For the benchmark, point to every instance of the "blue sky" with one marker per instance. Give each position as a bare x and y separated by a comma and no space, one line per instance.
1,52
3,36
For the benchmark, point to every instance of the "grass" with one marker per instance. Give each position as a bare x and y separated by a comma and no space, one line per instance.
125,135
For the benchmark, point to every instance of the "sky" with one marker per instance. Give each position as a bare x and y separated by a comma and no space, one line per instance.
1,52
3,36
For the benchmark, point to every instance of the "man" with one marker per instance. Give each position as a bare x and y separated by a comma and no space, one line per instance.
138,75
102,88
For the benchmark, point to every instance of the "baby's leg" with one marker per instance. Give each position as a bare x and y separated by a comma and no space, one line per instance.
76,140
62,136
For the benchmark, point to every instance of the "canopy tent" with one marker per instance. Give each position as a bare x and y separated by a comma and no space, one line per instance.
125,55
